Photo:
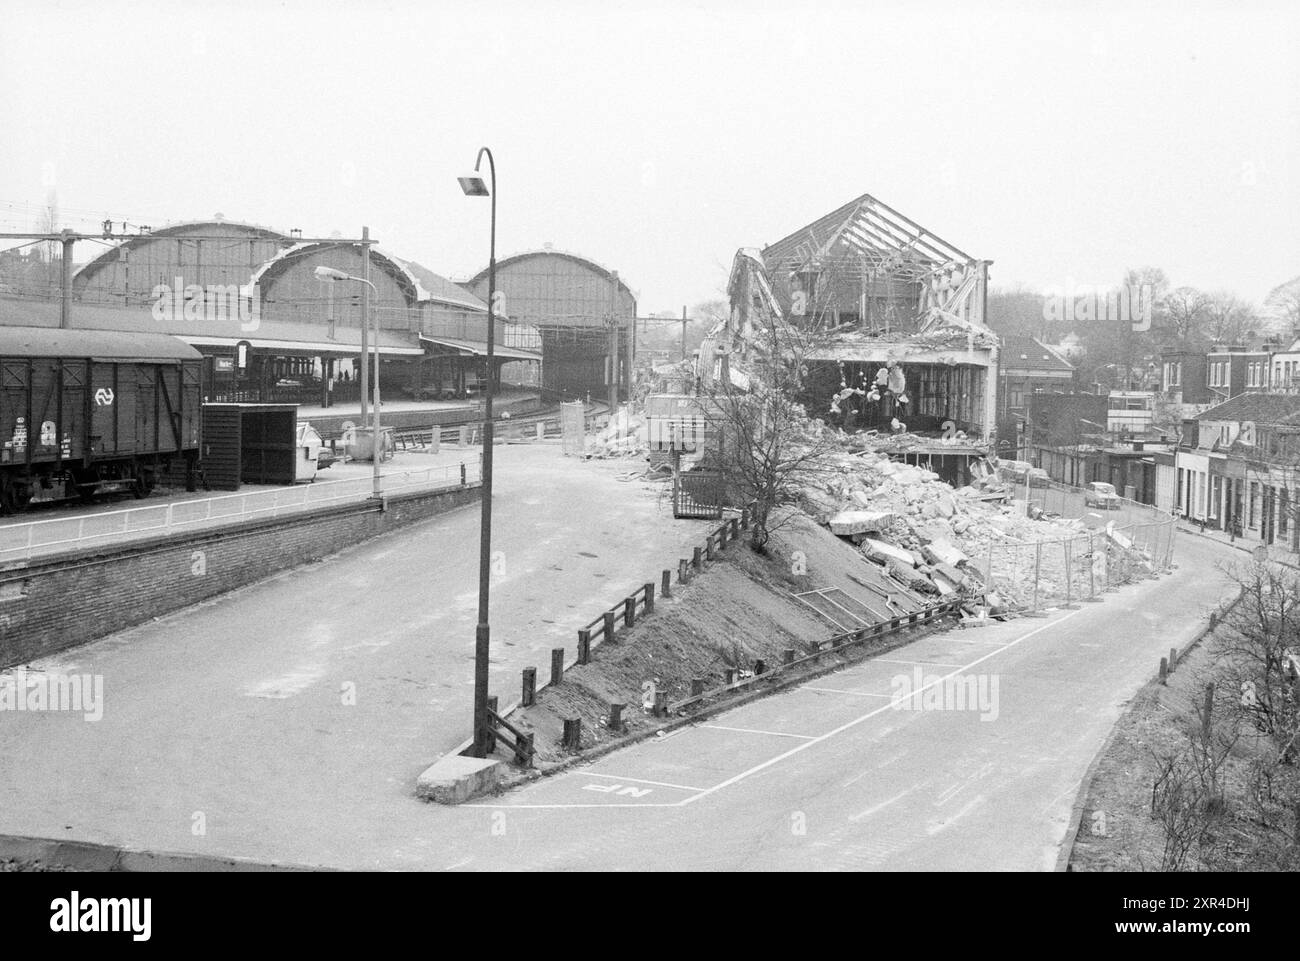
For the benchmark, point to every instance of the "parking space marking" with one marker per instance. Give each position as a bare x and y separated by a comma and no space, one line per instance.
890,660
639,780
836,690
750,730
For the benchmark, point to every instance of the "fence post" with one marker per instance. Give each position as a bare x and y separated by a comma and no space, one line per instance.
697,686
1173,659
682,576
1038,564
708,547
666,587
584,647
462,474
649,597
530,687
661,703
787,656
616,717
609,627
735,529
557,665
721,535
696,559
1164,670
629,611
1068,549
524,751
491,737
744,518
731,676
572,733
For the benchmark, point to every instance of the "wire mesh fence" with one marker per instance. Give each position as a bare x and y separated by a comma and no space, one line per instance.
1034,576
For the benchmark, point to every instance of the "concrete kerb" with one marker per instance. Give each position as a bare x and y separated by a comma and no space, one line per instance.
1085,786
90,856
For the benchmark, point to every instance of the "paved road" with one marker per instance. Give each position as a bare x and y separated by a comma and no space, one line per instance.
828,776
290,719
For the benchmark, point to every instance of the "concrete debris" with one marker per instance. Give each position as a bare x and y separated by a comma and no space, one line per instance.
937,540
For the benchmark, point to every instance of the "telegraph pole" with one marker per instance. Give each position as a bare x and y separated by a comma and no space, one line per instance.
365,335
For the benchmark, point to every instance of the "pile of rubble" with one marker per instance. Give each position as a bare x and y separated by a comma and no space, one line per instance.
623,436
932,538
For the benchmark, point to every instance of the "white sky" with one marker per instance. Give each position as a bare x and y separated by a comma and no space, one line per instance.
1065,143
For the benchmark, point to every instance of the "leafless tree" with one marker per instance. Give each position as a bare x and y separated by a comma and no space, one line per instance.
1184,312
771,449
1228,318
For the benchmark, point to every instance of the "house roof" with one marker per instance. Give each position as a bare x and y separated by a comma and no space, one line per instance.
1256,408
1026,353
869,232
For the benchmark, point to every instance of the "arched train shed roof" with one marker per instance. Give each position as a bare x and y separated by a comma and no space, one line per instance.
112,254
481,276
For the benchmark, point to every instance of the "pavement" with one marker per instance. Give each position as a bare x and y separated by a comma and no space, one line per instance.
288,721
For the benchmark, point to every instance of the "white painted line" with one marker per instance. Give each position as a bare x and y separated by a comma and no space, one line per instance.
636,780
560,807
870,714
890,660
750,730
836,690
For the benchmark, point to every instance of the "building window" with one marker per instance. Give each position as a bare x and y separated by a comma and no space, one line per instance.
1254,506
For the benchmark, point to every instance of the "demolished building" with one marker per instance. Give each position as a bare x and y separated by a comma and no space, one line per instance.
894,318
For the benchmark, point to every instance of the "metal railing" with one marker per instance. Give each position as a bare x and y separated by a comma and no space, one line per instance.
25,541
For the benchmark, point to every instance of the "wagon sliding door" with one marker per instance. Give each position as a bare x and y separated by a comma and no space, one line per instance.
112,409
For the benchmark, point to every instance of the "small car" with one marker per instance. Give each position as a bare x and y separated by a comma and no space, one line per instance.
1101,495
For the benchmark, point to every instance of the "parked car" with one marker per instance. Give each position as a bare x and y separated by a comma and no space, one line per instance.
1102,495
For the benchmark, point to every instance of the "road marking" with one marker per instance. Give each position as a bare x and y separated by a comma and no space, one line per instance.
890,660
621,790
836,690
750,730
870,714
641,780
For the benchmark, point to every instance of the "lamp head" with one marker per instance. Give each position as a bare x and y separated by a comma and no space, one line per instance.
330,274
473,184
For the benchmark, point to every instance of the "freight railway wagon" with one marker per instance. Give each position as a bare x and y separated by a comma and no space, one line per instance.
84,412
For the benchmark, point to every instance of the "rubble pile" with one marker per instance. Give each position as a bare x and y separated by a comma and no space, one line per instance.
938,541
623,436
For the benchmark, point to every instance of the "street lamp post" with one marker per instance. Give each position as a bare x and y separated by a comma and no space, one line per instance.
474,186
331,275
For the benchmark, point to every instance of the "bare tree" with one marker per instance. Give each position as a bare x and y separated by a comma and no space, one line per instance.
771,449
1184,313
1228,318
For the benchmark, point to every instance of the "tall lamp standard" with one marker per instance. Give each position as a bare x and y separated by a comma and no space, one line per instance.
474,186
331,275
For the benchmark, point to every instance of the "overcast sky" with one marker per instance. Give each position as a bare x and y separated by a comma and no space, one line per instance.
1064,144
